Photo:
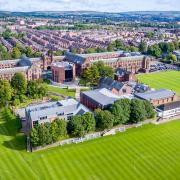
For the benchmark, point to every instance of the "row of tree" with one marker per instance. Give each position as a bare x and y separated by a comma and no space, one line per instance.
48,133
123,111
158,49
19,89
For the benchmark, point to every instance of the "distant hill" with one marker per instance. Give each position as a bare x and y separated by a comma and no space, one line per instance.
165,16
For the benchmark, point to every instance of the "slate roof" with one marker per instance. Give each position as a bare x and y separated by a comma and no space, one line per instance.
122,72
52,109
24,61
110,84
169,106
102,96
155,95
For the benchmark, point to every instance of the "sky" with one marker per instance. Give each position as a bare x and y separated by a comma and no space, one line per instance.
90,5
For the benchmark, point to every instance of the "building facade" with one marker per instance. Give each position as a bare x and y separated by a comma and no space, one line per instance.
132,62
168,110
158,97
31,68
48,112
63,72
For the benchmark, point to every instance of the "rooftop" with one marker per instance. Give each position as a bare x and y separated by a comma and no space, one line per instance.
157,94
169,106
53,109
103,96
63,64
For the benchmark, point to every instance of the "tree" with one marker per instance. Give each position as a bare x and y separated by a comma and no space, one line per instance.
16,53
150,113
133,49
42,90
19,84
138,112
154,50
32,89
89,122
62,127
34,137
170,47
75,126
143,47
172,57
92,74
105,119
29,51
121,109
5,93
104,71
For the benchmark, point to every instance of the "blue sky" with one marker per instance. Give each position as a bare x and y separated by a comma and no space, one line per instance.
94,5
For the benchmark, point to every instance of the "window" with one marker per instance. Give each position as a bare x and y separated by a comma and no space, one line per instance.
44,117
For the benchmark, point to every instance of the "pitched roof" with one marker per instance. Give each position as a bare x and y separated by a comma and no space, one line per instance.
102,96
110,84
157,94
52,109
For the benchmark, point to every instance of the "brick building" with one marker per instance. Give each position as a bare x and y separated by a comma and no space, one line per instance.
158,97
115,87
123,76
132,62
30,70
63,72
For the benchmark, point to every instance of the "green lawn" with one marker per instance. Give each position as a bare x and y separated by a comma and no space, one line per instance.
149,152
169,80
65,92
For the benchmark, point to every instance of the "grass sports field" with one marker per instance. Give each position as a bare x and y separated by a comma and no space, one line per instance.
169,80
149,152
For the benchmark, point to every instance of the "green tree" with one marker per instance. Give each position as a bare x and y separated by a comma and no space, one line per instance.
16,53
75,126
170,47
105,119
19,84
143,47
89,122
5,93
62,127
34,137
121,109
32,89
138,113
150,113
155,50
29,51
92,75
42,90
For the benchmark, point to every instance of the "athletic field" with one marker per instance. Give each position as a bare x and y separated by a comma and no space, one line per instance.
169,80
149,152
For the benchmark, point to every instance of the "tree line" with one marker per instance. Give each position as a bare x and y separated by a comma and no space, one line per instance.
18,89
123,111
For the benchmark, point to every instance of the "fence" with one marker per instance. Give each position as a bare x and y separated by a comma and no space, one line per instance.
90,136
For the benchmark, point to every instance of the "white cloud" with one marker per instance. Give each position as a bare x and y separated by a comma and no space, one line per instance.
93,5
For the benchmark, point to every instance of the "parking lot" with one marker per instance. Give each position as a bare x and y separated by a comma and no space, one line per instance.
159,66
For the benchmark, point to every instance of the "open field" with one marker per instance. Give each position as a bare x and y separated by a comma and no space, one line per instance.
149,152
64,92
169,80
